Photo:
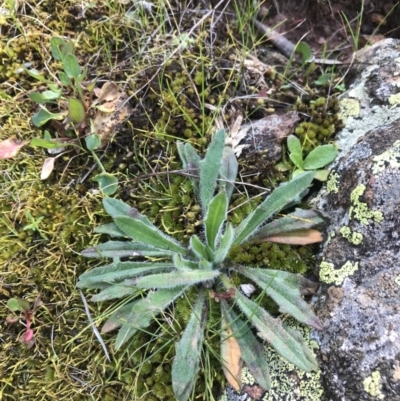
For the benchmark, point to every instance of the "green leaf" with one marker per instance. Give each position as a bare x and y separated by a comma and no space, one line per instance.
140,231
183,264
118,271
44,97
287,343
300,219
58,47
144,311
120,249
43,116
71,66
279,198
76,111
225,244
177,278
320,157
284,289
190,161
107,183
297,159
322,175
42,143
64,79
323,79
33,72
294,144
110,229
252,350
92,142
115,207
201,250
115,291
215,217
209,169
118,317
228,171
186,364
18,305
305,51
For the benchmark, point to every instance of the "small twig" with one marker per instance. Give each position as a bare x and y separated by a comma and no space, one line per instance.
95,331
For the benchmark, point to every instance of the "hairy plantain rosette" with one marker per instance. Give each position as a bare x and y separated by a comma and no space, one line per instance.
204,265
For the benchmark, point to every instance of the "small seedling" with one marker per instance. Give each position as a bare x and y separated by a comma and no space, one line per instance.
24,308
314,161
34,224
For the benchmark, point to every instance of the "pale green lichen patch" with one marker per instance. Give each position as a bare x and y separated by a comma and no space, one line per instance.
332,184
360,210
352,236
394,100
373,386
349,108
387,160
329,275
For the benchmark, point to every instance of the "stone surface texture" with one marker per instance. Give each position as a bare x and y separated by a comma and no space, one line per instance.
359,297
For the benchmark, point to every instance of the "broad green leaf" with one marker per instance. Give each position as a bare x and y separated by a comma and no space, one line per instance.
320,157
108,183
228,171
92,142
44,97
110,229
297,159
118,271
205,265
177,278
286,342
18,305
119,317
214,219
186,364
140,231
191,162
33,72
115,291
43,116
201,250
71,66
252,350
322,175
284,289
64,79
42,143
294,145
231,356
300,219
225,244
305,51
279,198
209,169
76,111
144,311
58,47
324,79
120,249
183,264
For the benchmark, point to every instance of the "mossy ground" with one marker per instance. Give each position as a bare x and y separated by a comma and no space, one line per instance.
179,86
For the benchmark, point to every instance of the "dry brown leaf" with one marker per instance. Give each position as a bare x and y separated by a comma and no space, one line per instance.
109,92
296,237
10,147
230,354
47,168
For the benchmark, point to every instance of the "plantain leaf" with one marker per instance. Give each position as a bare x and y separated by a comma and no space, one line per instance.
71,66
215,217
186,364
299,219
76,110
119,249
279,198
118,271
115,207
284,289
320,157
225,244
252,350
209,169
286,342
201,250
115,291
177,278
144,311
118,317
294,145
110,229
228,171
140,231
230,356
183,264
